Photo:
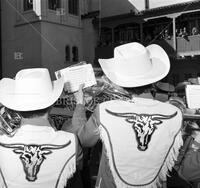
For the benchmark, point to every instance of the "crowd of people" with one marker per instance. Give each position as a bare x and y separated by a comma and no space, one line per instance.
157,33
142,135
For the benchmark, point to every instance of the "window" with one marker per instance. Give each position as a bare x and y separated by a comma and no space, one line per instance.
28,5
122,36
54,4
67,53
73,7
129,35
75,54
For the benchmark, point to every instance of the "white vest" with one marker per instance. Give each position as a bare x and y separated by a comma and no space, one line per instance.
37,157
142,139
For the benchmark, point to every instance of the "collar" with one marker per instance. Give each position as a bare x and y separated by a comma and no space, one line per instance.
36,121
143,95
144,99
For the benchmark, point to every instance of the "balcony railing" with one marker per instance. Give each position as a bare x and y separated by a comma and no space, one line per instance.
185,46
188,46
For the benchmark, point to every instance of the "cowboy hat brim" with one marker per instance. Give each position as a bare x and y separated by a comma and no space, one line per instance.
159,69
181,85
23,102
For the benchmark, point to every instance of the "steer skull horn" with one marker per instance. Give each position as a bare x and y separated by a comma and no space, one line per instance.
19,146
159,116
122,114
49,146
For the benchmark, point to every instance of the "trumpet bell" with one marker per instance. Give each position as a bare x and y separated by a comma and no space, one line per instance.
9,121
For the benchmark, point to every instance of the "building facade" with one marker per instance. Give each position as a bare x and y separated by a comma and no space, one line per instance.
51,33
50,37
58,33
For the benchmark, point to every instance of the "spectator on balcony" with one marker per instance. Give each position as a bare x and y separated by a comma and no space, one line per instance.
180,34
177,34
184,33
166,34
195,31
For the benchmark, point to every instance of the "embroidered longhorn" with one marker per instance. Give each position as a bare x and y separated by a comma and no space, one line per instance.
143,125
32,156
59,120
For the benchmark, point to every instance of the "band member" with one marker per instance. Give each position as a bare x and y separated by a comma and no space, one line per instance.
142,136
37,155
163,91
189,167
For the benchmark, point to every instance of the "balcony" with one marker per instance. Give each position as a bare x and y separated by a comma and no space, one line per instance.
188,46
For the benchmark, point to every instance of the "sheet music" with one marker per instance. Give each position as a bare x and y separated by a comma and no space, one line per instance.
76,75
193,96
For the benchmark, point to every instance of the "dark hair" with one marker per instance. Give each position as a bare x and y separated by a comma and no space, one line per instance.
34,113
139,90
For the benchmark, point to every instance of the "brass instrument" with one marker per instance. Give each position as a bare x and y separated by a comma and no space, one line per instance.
9,121
191,117
101,92
104,91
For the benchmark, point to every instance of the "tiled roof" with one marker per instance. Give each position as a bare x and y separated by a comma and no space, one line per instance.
154,12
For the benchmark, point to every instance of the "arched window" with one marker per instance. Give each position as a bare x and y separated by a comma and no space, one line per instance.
73,7
54,4
28,5
75,53
67,53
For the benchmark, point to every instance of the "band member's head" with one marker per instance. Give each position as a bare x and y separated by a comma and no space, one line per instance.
31,91
136,66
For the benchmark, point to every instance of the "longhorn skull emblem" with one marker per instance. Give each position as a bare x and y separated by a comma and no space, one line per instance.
143,125
32,156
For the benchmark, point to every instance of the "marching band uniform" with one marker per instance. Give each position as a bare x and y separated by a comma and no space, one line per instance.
141,137
37,155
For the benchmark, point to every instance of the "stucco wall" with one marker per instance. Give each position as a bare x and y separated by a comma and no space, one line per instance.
38,43
90,37
55,38
20,43
42,43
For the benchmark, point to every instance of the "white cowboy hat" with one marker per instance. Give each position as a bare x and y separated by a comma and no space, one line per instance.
32,89
134,65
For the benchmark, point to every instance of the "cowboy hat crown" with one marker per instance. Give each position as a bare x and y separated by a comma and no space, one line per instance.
32,89
134,65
